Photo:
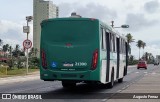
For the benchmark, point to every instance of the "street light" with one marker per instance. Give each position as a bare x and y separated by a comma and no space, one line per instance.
122,26
26,29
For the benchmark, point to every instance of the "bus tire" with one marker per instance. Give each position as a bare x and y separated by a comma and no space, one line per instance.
120,80
125,71
68,84
110,84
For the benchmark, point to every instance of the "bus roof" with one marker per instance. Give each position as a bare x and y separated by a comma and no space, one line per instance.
93,19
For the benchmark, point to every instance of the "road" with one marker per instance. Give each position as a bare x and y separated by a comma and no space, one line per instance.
39,86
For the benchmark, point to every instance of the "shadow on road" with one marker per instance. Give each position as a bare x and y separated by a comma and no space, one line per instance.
82,91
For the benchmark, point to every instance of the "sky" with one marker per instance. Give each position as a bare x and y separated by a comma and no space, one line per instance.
143,17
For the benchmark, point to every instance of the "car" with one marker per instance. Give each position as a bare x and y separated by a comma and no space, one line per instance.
156,63
142,64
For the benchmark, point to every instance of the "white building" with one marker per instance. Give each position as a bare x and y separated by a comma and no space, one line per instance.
41,10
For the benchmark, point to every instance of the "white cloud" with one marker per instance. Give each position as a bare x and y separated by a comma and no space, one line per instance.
137,13
12,32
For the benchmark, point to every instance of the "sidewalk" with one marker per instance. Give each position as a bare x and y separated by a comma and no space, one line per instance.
146,86
22,78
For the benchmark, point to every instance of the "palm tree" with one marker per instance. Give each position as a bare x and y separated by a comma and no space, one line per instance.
31,51
146,56
1,42
5,49
139,45
35,52
129,41
16,51
143,46
10,51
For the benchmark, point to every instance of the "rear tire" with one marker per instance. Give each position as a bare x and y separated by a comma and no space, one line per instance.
110,84
68,84
120,80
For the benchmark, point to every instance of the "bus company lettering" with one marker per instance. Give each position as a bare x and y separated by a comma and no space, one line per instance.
68,65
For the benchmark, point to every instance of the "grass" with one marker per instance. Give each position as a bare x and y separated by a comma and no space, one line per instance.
15,71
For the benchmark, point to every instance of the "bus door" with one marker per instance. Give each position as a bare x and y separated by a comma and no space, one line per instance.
108,55
126,48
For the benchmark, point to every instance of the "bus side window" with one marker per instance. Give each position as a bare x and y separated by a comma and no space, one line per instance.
115,40
103,39
111,42
120,45
114,44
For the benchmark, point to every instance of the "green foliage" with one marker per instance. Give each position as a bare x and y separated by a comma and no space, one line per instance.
129,41
132,60
139,43
1,42
15,71
10,63
34,62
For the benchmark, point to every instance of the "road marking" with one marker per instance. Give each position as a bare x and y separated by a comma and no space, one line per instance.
119,90
104,100
153,73
127,86
145,72
137,72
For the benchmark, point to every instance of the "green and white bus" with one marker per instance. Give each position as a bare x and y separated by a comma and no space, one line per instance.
81,50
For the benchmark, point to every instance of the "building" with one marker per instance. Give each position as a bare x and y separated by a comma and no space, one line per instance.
41,10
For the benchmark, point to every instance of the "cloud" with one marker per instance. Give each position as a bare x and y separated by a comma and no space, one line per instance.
150,48
139,21
92,10
152,6
12,32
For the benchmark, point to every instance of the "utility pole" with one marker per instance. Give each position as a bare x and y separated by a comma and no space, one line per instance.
27,43
112,24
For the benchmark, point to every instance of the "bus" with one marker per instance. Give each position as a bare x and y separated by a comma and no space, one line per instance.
85,50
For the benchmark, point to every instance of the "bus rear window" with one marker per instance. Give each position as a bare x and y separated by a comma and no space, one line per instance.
70,31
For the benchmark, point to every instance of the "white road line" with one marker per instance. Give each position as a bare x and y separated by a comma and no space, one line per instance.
119,90
145,72
127,85
153,73
137,72
104,100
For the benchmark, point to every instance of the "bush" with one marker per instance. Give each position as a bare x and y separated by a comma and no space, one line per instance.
10,63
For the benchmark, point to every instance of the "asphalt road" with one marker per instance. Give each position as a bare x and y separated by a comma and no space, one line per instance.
79,93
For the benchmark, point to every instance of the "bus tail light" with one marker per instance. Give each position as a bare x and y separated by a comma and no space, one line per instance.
94,59
43,57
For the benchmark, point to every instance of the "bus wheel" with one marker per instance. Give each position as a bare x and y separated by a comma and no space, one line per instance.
120,80
68,84
110,84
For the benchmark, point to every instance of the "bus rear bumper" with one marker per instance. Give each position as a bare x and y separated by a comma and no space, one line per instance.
72,76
